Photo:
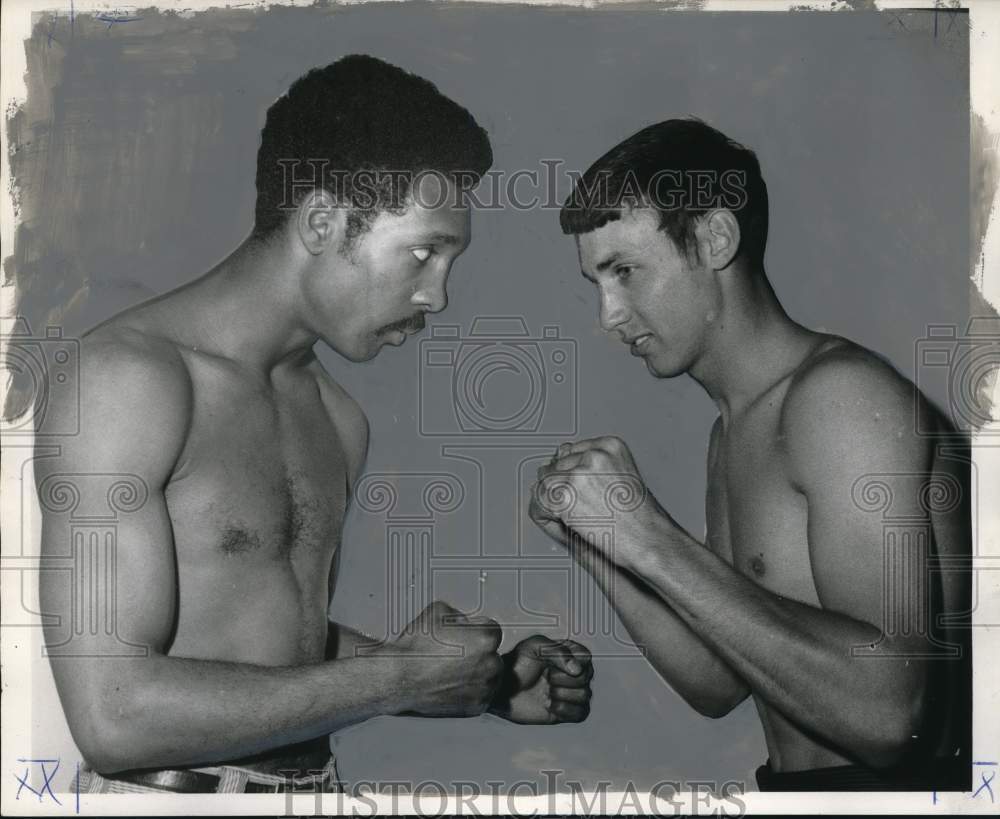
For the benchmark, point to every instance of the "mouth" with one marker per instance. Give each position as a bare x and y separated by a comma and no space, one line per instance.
637,346
414,325
396,334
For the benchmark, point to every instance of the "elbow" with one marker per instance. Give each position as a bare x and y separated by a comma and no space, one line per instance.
113,739
714,710
718,706
102,747
885,753
896,736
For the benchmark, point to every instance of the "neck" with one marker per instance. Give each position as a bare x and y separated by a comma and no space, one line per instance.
752,345
244,308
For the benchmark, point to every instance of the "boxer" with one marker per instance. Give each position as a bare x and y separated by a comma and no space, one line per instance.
855,650
211,400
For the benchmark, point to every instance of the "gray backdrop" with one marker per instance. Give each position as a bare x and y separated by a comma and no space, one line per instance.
135,160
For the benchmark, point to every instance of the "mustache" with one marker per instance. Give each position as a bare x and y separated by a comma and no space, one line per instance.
409,324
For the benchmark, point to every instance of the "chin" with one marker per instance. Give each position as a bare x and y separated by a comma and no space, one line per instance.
357,354
371,352
662,369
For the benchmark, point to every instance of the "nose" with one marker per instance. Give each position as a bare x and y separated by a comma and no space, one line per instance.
432,294
614,313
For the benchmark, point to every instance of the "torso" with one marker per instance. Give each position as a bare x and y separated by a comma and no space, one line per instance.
256,502
757,521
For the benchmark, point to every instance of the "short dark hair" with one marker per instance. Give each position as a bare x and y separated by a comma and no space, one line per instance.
360,116
679,152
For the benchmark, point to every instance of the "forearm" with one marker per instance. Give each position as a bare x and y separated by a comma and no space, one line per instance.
797,657
681,657
165,711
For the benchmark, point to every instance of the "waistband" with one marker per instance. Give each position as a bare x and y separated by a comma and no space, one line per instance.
229,778
947,774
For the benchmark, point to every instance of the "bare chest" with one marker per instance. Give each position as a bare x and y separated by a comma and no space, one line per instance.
263,477
755,519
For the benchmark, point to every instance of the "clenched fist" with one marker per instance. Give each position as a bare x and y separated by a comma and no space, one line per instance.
448,661
545,682
597,480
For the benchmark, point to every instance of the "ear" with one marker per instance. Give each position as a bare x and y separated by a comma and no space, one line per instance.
718,238
319,222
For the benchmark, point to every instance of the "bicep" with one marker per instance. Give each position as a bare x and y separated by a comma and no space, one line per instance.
111,587
109,597
847,555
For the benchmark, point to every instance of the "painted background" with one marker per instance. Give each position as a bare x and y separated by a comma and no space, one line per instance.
134,161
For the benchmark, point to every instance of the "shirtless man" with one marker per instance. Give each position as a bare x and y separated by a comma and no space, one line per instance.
856,682
211,401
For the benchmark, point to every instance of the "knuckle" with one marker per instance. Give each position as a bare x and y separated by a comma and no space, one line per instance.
481,642
494,665
493,631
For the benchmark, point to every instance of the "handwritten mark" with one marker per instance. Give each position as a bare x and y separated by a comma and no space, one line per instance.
897,20
986,785
116,17
46,775
952,11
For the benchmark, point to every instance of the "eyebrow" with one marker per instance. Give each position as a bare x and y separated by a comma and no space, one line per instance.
444,239
610,260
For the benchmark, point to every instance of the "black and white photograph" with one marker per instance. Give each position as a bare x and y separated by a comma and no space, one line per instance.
500,408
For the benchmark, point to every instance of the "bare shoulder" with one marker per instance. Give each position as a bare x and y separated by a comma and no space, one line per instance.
134,360
347,416
845,380
849,403
134,396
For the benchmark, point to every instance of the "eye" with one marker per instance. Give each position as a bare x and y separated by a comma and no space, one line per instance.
422,254
622,272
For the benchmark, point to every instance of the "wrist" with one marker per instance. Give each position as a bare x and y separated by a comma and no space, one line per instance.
500,704
655,536
394,671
